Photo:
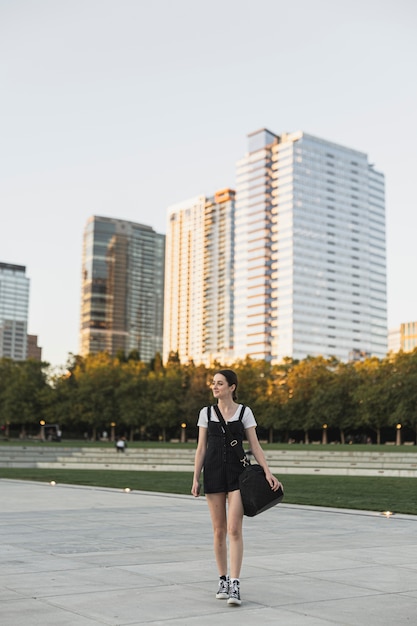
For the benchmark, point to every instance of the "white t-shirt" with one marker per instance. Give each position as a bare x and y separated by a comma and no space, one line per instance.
248,419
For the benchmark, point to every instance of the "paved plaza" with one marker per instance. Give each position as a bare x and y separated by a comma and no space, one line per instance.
86,556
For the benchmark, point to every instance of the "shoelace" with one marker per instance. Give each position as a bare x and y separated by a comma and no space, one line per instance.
235,588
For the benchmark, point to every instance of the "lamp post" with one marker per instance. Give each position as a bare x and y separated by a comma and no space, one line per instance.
398,438
112,432
42,433
183,432
324,434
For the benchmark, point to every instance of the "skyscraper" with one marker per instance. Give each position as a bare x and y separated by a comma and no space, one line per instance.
14,307
310,262
122,288
199,278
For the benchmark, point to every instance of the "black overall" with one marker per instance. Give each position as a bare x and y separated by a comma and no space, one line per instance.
222,468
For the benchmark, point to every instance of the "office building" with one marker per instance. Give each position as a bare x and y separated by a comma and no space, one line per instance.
310,262
14,309
403,338
122,288
408,336
199,279
394,340
34,351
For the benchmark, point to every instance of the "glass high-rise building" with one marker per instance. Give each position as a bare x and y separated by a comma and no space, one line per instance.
14,310
310,261
122,288
199,279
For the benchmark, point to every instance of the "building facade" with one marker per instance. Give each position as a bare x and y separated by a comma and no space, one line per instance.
403,338
408,336
310,261
14,310
122,288
394,340
199,279
34,351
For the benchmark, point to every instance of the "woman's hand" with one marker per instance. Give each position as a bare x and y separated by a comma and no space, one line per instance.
195,489
273,481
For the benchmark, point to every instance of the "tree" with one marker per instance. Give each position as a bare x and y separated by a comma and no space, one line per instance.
24,392
166,394
341,400
196,392
374,395
405,389
96,378
131,394
307,404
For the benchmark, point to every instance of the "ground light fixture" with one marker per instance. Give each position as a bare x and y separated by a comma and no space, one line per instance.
387,513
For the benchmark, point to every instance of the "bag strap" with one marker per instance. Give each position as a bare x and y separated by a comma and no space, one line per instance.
240,453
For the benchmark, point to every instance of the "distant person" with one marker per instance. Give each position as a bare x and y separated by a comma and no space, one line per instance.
222,469
121,444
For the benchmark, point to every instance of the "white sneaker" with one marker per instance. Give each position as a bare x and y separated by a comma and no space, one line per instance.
234,593
223,590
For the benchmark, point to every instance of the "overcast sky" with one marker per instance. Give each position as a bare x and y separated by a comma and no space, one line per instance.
124,107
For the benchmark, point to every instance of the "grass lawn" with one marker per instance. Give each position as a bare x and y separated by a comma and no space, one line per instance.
377,493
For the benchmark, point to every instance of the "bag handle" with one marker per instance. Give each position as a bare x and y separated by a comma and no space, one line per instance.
241,455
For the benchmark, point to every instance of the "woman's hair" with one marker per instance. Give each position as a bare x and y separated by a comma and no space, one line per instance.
231,378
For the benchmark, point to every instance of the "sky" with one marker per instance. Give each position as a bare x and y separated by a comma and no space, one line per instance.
122,108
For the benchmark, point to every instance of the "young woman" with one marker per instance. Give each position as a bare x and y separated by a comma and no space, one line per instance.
221,477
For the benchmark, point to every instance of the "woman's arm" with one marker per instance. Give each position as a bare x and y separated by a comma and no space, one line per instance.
199,460
259,455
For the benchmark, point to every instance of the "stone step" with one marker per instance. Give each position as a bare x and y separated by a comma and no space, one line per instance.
320,453
345,471
278,470
126,459
22,457
295,455
138,467
407,460
320,461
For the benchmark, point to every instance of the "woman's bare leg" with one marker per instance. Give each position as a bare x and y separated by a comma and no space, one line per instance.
234,530
217,507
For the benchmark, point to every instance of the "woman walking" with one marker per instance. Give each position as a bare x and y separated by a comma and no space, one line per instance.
221,477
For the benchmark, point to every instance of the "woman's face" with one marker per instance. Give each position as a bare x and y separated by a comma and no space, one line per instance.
220,387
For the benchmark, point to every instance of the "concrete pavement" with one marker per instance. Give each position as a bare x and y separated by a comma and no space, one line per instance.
85,556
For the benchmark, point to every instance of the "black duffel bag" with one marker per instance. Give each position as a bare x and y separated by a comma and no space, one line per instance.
256,492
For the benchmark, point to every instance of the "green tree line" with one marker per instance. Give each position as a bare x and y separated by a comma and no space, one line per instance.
151,401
